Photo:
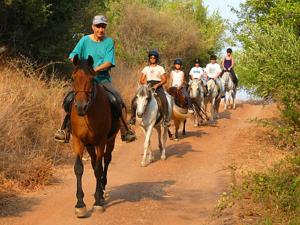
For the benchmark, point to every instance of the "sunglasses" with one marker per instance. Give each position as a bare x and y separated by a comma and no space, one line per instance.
101,25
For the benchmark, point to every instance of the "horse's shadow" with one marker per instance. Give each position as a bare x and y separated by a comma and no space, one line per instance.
225,115
179,150
136,192
13,205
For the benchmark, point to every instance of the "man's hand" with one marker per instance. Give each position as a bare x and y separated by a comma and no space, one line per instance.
155,86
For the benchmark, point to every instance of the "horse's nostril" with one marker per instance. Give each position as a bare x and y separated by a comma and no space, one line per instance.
139,115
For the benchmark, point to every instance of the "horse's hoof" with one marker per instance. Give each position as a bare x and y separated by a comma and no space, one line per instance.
105,195
81,212
176,139
163,157
144,164
98,208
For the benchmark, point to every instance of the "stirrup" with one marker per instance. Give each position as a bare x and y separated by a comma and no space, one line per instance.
62,136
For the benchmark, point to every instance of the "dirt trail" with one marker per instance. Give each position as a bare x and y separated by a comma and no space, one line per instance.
184,189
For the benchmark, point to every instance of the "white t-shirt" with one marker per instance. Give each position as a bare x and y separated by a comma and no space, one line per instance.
154,72
197,72
213,70
177,78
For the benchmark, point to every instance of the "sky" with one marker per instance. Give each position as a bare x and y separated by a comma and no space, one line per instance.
223,6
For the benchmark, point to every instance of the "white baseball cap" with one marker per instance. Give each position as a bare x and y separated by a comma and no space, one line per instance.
99,19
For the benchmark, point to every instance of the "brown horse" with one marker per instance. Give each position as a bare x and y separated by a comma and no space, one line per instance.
180,111
94,128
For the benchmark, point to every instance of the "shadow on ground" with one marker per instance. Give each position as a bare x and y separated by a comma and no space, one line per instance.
136,192
13,205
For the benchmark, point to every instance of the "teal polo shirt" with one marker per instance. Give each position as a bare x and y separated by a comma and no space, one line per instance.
102,51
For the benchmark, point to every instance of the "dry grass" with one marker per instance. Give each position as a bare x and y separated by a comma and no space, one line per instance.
29,115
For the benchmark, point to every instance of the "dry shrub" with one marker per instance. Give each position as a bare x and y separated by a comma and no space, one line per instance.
141,28
125,80
29,115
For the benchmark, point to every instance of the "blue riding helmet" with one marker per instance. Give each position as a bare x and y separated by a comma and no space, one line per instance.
178,61
153,53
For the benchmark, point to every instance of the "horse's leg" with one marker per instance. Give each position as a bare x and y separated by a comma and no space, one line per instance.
158,129
170,134
212,110
98,171
233,98
164,141
176,123
146,145
107,159
225,101
196,117
217,107
183,129
80,208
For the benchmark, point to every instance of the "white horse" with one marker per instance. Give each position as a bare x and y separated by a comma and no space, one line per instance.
148,116
230,90
196,92
214,98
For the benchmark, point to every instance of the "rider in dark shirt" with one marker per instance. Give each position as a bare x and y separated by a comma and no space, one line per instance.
228,64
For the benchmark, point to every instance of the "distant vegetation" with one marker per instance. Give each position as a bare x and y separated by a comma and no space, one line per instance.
46,31
269,66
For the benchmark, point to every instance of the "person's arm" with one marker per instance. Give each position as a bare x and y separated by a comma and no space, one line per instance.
181,81
77,50
219,71
171,79
143,79
162,82
103,67
223,63
191,74
232,63
109,58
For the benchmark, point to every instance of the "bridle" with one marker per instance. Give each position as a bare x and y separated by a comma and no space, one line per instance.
90,93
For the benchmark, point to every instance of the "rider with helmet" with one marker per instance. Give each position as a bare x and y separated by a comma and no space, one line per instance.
177,80
213,71
198,73
155,75
102,50
228,64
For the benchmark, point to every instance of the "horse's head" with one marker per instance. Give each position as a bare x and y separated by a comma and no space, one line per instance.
143,97
177,95
83,85
195,88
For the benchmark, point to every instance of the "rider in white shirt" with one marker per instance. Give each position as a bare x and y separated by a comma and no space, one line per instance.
197,72
177,80
213,71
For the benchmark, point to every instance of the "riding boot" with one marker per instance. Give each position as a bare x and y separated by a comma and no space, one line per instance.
63,134
127,134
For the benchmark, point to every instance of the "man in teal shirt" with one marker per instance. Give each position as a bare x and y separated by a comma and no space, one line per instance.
102,49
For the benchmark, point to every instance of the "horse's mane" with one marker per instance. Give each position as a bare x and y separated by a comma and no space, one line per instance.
83,64
143,91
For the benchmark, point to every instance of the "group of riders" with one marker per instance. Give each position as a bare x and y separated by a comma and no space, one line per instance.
102,50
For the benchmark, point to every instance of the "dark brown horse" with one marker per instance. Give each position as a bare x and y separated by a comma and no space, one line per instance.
94,128
179,110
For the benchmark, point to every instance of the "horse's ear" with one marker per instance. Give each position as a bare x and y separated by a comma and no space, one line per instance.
90,61
76,60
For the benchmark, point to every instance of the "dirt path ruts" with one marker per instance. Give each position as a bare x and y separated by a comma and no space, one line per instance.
182,190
